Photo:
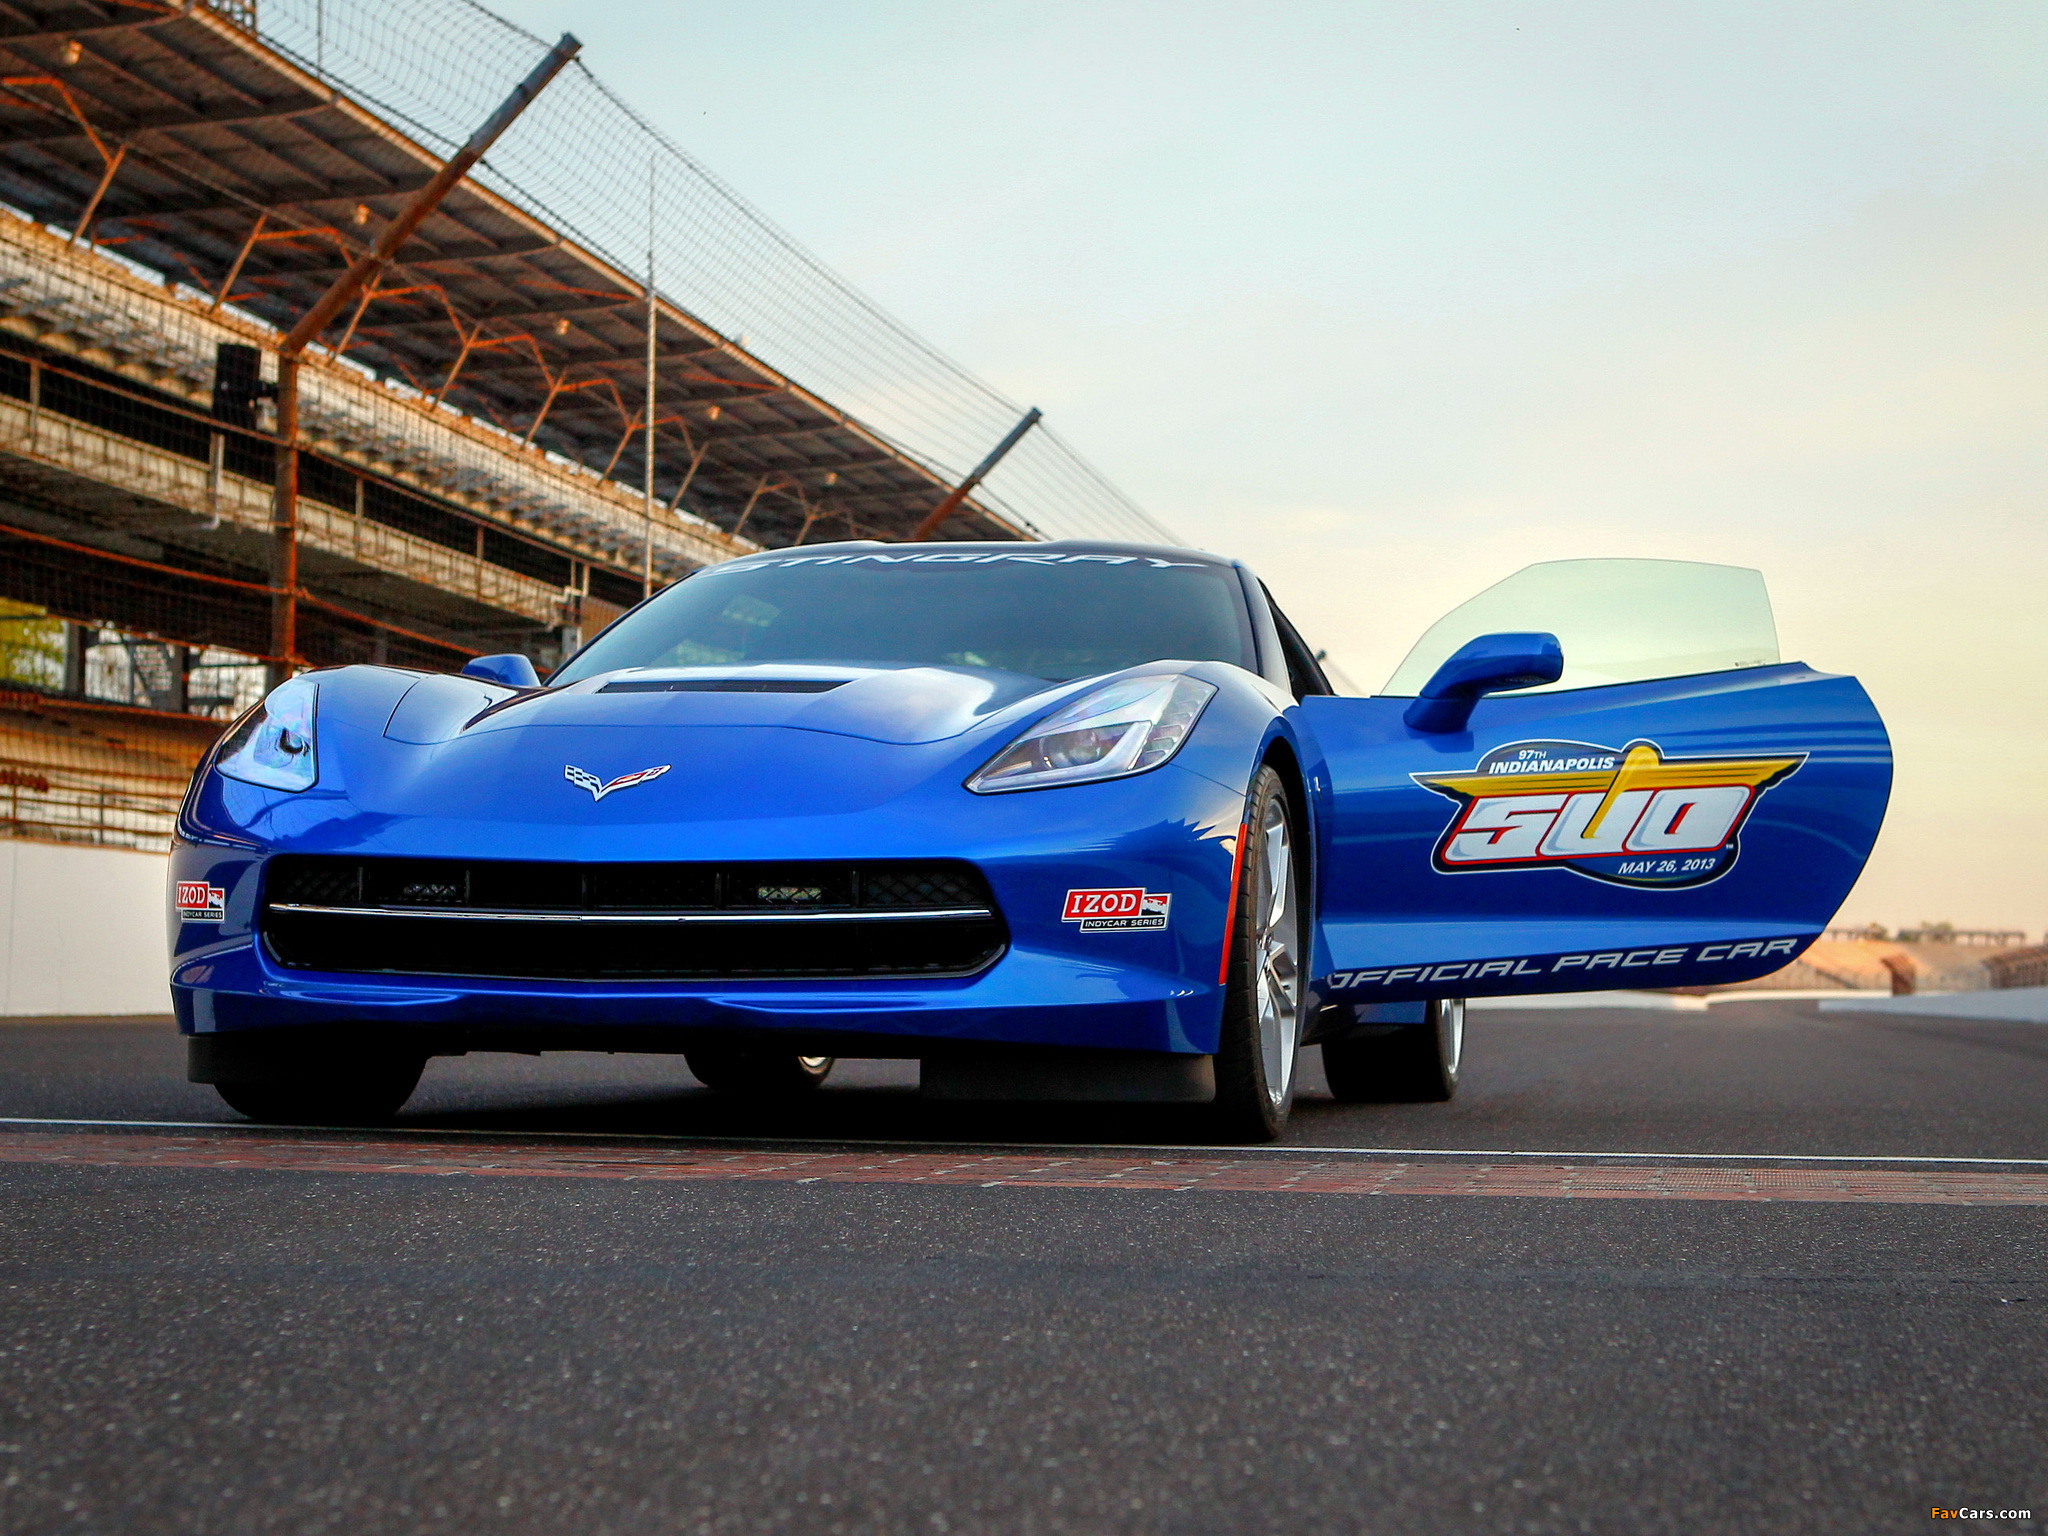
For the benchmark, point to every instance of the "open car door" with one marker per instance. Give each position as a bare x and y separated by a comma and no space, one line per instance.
1673,807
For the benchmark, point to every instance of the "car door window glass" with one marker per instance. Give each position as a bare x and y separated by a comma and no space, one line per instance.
1619,621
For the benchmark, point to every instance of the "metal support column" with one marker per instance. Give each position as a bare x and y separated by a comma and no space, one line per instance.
647,448
284,527
945,509
78,640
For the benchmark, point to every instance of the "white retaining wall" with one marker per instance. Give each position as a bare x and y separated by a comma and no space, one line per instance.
2016,1005
81,930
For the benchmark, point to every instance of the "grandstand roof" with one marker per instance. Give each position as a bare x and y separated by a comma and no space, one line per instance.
235,161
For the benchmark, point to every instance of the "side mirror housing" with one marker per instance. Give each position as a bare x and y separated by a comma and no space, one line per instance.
1490,664
510,670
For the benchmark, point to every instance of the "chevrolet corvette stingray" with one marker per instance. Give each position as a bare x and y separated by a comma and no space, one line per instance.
1062,821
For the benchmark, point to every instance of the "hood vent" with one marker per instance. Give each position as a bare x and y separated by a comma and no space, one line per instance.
726,685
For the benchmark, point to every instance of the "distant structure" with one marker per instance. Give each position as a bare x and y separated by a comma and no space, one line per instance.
1934,957
180,181
1933,933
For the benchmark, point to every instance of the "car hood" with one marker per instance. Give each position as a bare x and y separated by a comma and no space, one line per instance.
902,705
426,764
434,765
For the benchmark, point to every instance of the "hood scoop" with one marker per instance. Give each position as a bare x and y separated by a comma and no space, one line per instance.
727,685
905,705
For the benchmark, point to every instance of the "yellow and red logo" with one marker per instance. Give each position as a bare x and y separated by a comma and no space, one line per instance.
1629,815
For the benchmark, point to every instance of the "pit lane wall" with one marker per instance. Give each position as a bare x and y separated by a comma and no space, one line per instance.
81,930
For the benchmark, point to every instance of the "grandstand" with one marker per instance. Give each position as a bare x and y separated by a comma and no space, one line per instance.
180,182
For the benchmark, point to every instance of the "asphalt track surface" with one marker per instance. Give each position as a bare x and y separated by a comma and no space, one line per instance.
868,1314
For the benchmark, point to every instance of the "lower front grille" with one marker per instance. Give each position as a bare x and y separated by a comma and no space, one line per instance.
630,922
510,947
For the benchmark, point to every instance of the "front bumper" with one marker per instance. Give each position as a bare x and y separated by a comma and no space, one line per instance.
1058,983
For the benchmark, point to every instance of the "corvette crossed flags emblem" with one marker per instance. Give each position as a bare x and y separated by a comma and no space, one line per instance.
584,779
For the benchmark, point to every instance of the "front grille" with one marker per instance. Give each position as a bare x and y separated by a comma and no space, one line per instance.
919,885
520,885
531,919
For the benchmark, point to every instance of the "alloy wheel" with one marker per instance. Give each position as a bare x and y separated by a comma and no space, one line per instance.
1451,1031
1277,952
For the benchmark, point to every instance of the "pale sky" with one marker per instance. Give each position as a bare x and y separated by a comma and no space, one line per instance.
1393,299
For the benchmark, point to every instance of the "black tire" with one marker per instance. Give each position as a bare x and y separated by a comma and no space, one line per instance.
1268,944
1408,1064
759,1074
363,1092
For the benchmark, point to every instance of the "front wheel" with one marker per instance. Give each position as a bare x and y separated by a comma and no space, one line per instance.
365,1090
758,1074
1403,1063
1264,996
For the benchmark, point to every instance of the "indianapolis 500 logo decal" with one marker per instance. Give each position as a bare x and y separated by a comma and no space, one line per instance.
1628,815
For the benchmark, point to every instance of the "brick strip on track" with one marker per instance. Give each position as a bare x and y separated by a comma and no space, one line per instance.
317,1153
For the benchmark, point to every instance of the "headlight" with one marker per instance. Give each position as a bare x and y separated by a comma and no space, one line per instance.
273,746
1110,732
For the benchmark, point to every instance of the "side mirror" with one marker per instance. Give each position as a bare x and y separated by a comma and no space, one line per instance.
1490,664
510,670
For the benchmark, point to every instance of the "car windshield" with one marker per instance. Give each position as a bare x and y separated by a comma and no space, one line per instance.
1051,615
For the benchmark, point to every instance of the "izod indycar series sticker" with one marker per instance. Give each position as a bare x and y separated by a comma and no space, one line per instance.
1628,815
1125,909
200,902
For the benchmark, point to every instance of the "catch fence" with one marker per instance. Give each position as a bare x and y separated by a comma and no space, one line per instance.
579,159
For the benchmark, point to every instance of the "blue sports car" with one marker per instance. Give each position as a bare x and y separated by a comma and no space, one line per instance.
1064,821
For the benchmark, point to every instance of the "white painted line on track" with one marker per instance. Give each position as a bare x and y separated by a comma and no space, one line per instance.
1214,1149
